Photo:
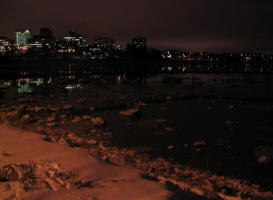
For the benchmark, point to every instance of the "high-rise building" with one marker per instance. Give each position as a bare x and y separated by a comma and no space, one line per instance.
22,38
139,42
5,42
35,41
47,38
75,40
104,43
46,33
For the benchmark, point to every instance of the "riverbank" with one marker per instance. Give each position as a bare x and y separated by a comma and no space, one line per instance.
38,169
160,169
214,141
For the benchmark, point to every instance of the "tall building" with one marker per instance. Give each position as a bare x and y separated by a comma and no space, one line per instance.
47,38
139,42
46,33
35,41
22,38
44,39
75,40
5,42
104,43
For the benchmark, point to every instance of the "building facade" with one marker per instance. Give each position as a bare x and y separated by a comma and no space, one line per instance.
75,40
139,42
104,43
22,38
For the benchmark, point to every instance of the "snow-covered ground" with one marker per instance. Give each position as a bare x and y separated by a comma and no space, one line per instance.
65,173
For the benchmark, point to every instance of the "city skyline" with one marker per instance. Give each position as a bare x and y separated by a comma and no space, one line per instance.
186,46
214,26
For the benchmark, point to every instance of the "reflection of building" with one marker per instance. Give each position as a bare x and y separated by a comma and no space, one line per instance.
5,83
74,86
22,38
139,42
25,85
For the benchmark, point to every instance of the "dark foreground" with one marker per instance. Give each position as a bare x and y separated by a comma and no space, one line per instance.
215,126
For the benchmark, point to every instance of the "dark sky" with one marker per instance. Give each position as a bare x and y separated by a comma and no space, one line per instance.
216,25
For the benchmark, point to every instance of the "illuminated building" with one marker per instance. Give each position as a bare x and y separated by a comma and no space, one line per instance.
139,42
2,50
21,49
173,54
46,33
47,38
5,42
102,48
120,47
104,43
22,38
105,47
75,40
5,45
44,43
35,41
64,50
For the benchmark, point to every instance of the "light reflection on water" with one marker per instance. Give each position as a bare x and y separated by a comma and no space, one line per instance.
25,85
5,83
75,76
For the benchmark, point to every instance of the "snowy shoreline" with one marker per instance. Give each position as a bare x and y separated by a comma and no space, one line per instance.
107,120
201,183
37,169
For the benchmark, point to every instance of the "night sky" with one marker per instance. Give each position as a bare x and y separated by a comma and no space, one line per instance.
215,25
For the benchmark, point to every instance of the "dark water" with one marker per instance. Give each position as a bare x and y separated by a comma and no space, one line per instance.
30,78
230,150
